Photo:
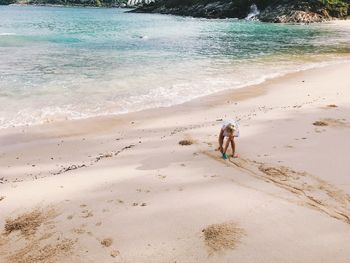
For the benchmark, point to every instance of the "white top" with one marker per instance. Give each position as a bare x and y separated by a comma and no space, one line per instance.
234,123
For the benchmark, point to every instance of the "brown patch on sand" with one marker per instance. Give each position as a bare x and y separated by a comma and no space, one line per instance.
219,237
320,123
2,198
107,242
337,122
115,253
34,253
332,122
332,106
185,142
37,242
28,223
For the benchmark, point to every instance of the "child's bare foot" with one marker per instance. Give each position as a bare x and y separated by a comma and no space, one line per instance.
234,155
220,149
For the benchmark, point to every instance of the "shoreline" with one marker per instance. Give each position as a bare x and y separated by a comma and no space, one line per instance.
121,189
75,129
260,81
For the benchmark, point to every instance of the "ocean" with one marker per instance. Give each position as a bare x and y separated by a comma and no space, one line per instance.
59,63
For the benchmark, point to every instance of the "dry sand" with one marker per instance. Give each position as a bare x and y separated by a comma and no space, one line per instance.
150,186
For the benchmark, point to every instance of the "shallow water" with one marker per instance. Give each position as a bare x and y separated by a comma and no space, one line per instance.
65,63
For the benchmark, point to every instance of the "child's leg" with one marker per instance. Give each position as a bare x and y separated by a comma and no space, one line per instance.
233,146
221,142
226,145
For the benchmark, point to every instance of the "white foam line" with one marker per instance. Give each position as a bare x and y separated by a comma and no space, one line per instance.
81,115
8,34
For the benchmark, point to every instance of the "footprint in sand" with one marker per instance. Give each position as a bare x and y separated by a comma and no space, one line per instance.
319,131
78,231
87,213
139,190
161,176
137,204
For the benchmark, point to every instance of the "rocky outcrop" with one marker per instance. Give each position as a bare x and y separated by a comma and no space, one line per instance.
294,17
301,11
277,11
214,9
6,2
95,3
134,3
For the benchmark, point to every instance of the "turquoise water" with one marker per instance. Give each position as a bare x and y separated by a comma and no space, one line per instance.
66,63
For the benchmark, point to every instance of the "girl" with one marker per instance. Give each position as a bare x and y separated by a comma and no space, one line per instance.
230,130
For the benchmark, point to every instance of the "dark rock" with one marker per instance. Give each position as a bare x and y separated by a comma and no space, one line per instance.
280,11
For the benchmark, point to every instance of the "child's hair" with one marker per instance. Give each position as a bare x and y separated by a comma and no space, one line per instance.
230,128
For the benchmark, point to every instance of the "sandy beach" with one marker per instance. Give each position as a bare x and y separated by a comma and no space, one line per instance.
122,188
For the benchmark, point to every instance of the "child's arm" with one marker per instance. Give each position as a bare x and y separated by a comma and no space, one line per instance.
221,140
236,134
